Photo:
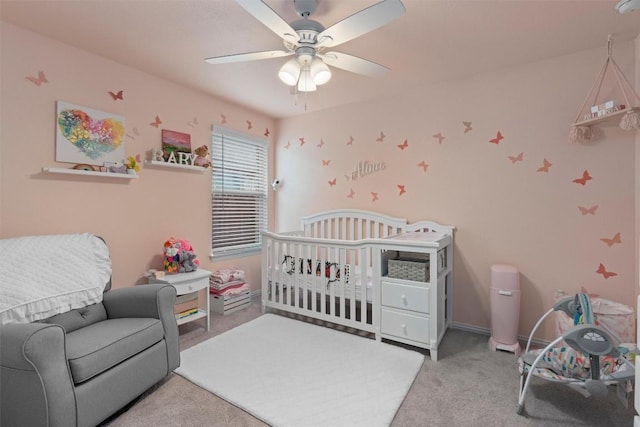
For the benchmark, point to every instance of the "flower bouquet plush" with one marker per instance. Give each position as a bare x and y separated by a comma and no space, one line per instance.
133,163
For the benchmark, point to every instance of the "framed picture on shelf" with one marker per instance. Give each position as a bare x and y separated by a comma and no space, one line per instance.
88,136
175,142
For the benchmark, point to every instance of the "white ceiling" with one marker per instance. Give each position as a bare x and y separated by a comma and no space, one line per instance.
434,40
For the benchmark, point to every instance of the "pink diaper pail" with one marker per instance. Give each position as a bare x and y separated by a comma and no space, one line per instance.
505,308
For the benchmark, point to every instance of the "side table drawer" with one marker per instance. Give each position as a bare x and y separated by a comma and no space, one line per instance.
191,285
405,297
405,325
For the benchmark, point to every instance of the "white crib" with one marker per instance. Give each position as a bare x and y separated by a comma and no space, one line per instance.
336,269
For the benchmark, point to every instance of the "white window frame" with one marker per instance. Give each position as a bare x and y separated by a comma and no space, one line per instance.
240,165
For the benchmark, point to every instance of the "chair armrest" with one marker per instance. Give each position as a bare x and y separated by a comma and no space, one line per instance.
36,387
153,300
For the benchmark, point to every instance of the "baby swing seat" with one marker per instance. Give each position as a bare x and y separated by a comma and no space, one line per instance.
590,359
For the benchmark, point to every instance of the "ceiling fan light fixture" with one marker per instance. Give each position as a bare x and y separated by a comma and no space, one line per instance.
305,82
320,73
290,72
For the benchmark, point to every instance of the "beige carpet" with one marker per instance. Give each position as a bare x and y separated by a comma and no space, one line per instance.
469,386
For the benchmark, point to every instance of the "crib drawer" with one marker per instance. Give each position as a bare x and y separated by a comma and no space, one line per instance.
405,297
405,325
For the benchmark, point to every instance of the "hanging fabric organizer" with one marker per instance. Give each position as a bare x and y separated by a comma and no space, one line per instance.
582,130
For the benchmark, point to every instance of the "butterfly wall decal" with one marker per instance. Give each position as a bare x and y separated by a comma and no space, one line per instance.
223,119
546,164
516,159
302,141
351,193
326,162
404,145
136,131
402,189
374,196
193,122
423,165
288,145
156,123
249,125
266,133
116,96
588,211
332,182
585,177
497,139
467,127
606,274
350,140
615,239
42,78
320,144
381,137
439,137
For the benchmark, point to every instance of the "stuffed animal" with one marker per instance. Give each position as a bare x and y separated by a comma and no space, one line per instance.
202,153
171,250
188,261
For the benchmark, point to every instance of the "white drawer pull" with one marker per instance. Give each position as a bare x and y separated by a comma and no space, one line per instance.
403,298
506,293
404,328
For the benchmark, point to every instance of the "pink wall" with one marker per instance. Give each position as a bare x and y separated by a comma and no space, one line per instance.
503,211
135,217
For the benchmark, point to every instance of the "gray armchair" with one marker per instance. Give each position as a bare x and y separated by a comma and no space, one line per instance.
79,367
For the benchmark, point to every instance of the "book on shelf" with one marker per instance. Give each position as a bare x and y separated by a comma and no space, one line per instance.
187,313
184,306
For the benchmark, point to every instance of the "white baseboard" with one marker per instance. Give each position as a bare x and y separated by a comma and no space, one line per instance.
486,331
256,293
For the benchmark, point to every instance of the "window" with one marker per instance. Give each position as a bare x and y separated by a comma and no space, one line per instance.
239,193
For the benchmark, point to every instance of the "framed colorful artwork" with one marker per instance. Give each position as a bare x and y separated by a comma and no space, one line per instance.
88,136
175,142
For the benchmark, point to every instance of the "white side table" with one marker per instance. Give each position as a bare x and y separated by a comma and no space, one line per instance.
186,284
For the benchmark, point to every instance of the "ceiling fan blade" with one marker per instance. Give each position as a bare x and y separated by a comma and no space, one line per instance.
361,23
252,56
263,13
353,64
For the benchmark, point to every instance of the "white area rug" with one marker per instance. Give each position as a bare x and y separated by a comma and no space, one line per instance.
291,373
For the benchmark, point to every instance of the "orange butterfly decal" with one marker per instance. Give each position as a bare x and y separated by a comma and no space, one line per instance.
266,132
615,239
515,159
156,123
374,196
249,125
402,190
467,126
350,141
404,145
302,141
546,164
423,165
38,80
131,136
588,211
585,177
606,274
320,144
332,182
117,96
223,119
288,145
439,137
497,139
351,193
326,162
381,137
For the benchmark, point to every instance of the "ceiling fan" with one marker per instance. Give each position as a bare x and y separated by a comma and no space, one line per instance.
309,41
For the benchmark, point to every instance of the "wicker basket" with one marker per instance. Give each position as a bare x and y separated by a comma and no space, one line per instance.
409,269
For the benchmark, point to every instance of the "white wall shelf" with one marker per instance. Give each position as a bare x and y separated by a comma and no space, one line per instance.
159,164
69,171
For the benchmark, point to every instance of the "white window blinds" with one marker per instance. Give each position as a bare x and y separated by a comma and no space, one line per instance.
239,193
